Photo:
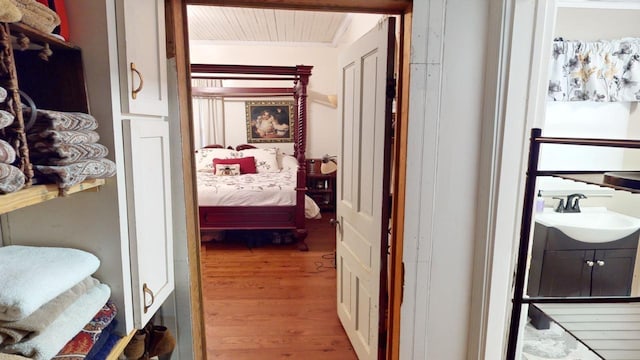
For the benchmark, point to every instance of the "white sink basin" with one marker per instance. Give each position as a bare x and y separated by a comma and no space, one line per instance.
592,225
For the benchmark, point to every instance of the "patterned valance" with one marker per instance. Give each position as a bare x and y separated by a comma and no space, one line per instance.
603,71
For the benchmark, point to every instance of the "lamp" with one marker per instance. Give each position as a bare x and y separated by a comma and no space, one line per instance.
328,165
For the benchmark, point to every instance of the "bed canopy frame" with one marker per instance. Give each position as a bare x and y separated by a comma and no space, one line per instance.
261,217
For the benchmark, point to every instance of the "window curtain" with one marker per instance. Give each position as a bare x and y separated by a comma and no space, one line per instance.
605,71
208,116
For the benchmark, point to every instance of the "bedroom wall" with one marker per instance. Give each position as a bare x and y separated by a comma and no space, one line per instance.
592,25
322,118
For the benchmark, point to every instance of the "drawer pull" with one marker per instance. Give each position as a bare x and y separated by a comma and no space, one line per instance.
600,262
134,92
589,263
145,291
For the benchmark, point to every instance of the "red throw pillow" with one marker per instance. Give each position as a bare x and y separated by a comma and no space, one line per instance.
247,164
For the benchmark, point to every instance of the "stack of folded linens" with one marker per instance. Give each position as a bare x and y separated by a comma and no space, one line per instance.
64,148
37,15
48,297
11,178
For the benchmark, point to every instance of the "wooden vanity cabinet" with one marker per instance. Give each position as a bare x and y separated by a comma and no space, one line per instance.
564,267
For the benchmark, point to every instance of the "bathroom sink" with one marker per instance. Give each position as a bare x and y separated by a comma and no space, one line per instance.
592,224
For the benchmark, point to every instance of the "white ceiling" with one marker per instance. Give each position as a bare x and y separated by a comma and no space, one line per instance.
234,25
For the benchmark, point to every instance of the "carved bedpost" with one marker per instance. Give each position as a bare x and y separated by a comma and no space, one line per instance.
300,146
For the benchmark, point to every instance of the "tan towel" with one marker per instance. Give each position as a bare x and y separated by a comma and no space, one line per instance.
9,13
12,332
4,356
37,15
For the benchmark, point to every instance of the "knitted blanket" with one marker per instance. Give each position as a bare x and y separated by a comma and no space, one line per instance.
11,179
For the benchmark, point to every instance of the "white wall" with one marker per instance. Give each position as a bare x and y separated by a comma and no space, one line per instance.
595,119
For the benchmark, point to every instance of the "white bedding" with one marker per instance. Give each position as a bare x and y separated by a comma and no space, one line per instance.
261,189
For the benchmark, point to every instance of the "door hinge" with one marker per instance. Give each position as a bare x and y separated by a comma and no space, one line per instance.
402,282
391,88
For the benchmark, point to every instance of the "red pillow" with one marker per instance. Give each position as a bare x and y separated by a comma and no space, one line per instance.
247,164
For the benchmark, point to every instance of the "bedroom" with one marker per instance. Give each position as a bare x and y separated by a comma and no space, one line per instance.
231,113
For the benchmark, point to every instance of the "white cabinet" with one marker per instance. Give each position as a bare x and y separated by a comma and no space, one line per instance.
142,57
147,172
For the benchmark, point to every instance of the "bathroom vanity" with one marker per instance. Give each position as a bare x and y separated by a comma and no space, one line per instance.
564,267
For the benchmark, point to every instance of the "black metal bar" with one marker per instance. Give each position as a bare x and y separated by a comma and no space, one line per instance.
523,249
635,144
582,300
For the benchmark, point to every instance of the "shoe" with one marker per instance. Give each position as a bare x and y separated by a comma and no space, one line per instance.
162,341
136,347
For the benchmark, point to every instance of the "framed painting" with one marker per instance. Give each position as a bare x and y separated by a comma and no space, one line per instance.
270,121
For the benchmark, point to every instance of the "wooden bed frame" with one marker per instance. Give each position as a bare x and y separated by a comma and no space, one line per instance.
262,217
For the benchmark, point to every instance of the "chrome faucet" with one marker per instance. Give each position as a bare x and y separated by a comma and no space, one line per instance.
572,205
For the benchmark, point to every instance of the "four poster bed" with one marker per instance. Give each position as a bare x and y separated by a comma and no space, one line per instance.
273,196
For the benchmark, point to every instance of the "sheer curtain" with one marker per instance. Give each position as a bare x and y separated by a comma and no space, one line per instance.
208,116
605,71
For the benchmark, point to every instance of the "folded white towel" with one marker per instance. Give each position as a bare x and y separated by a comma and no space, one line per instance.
31,276
52,339
12,332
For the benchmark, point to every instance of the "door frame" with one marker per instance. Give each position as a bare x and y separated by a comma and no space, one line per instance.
176,19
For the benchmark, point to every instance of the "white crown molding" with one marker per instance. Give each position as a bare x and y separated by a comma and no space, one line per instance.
600,4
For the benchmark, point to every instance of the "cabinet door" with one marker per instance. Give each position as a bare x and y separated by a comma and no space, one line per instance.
149,213
566,273
613,272
143,58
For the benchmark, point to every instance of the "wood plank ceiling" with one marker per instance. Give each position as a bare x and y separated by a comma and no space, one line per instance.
235,25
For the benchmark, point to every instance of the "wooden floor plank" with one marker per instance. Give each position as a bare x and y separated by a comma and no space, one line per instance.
273,301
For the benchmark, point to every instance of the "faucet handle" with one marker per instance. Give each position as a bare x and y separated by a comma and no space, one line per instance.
560,208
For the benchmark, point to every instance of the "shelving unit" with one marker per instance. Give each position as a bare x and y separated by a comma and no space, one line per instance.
321,187
610,304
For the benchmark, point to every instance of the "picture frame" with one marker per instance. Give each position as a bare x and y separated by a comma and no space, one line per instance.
270,121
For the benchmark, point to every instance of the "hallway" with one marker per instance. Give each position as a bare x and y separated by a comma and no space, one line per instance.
273,301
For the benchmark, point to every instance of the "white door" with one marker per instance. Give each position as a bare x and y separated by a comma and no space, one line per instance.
143,57
150,214
366,70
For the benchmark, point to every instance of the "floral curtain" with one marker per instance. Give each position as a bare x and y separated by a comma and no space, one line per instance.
604,71
208,116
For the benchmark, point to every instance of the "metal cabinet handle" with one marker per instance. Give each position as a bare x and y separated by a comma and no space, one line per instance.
145,291
134,92
600,262
334,222
589,263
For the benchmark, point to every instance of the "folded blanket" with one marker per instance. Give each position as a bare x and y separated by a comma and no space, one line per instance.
102,340
11,180
37,15
66,154
12,357
12,332
81,344
68,175
64,327
7,153
56,137
106,349
6,119
31,276
57,120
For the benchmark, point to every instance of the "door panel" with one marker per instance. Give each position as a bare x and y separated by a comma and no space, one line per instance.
150,214
363,186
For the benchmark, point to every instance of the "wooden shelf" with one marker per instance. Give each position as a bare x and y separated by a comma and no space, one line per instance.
119,348
595,179
38,37
40,193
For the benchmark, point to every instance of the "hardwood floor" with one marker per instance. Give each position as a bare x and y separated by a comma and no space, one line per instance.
273,301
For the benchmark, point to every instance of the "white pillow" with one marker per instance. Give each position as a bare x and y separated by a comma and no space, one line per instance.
204,157
289,163
266,159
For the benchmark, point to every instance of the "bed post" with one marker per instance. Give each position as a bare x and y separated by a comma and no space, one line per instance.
299,148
